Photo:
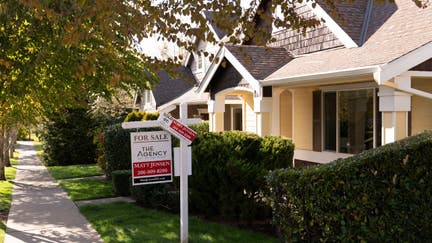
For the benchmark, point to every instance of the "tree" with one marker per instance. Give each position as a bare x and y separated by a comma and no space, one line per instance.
54,52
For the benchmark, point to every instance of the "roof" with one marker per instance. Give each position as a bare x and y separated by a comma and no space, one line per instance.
394,31
348,15
219,33
170,88
260,61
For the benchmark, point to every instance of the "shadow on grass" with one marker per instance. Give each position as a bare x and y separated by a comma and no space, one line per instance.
123,222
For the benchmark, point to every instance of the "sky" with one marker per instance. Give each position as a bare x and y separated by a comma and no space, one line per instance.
152,47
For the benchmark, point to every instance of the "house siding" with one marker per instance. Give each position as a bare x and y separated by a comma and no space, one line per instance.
421,117
318,39
302,108
286,114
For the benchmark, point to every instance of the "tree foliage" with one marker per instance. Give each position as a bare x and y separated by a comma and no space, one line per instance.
54,52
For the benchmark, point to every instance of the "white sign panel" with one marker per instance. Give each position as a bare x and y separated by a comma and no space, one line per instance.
177,162
176,128
151,157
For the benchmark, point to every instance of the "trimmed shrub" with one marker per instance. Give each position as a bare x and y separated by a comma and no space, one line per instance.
158,196
151,116
68,138
135,116
121,180
141,116
116,149
229,170
200,128
382,194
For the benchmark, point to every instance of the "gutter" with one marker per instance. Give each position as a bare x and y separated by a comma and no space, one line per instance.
312,78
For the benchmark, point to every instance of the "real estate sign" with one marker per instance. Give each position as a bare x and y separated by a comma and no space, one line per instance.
151,157
176,128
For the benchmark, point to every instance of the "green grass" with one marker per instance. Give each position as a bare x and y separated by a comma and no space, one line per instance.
6,188
74,171
86,189
123,222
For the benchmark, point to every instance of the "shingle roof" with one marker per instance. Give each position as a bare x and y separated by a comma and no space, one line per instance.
402,30
209,15
170,88
348,15
260,61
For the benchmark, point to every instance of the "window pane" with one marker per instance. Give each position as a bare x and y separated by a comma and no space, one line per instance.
330,121
356,121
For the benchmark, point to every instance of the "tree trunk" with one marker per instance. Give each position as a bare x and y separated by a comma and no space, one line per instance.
2,164
6,147
13,140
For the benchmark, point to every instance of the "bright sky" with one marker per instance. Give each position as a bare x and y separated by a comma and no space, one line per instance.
153,47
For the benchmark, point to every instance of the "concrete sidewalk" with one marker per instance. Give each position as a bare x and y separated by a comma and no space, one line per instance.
41,211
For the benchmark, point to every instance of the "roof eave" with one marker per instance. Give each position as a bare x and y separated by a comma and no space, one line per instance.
324,77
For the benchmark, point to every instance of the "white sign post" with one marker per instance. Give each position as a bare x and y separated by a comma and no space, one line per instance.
186,136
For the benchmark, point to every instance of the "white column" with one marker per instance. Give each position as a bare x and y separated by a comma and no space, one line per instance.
275,131
184,207
262,109
394,106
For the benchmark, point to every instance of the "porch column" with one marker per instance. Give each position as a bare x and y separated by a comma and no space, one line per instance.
302,118
394,106
262,109
275,117
216,109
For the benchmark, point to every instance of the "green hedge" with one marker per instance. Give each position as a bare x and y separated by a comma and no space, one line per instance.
121,180
383,194
68,138
228,173
141,116
163,196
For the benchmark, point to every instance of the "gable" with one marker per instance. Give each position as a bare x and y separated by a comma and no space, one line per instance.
226,77
170,87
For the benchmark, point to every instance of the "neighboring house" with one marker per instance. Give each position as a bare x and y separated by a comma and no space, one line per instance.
352,84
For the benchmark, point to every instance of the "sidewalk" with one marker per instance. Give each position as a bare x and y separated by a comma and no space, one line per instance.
41,211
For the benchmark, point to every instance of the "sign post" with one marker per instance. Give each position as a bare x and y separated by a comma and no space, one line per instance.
186,136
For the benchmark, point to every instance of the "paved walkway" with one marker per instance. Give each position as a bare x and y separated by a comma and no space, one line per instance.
41,211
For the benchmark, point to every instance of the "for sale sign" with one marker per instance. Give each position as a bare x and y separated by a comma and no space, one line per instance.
176,128
151,157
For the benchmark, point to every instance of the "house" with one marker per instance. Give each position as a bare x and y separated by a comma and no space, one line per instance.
356,82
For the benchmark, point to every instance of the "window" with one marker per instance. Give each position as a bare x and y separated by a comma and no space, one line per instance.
200,59
349,120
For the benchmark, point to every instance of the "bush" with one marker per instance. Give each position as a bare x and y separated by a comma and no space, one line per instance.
379,195
200,128
141,116
163,196
68,138
121,180
228,173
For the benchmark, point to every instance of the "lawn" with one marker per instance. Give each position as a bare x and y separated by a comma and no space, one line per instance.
123,222
85,189
6,188
74,171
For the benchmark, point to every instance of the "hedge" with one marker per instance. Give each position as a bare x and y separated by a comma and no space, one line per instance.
121,180
163,196
228,173
68,138
383,194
